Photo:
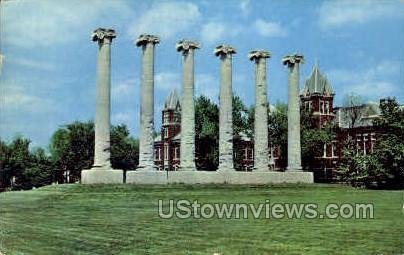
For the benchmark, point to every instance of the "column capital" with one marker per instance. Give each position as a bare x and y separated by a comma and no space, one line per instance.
291,60
254,55
224,50
146,39
103,35
185,45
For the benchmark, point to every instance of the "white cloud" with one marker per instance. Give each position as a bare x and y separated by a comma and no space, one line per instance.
207,85
269,29
166,19
373,82
167,81
33,64
45,23
122,117
346,12
125,88
373,89
16,99
245,7
217,32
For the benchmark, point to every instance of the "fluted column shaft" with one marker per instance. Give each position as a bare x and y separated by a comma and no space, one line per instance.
226,108
103,99
146,140
294,146
226,115
187,149
261,117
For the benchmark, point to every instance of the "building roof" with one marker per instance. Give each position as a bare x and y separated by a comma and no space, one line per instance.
357,116
317,83
172,101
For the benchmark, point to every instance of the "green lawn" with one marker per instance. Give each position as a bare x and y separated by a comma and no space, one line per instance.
123,219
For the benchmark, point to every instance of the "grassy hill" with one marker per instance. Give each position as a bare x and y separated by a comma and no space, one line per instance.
123,219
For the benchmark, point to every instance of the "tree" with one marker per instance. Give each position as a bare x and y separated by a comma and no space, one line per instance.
240,116
124,149
389,148
5,171
278,129
72,149
40,170
207,133
313,138
384,168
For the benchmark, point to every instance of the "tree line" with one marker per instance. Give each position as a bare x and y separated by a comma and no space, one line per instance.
71,147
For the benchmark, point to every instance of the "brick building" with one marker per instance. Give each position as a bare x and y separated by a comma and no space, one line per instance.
317,95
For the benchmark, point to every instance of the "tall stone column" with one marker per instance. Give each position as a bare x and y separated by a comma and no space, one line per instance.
102,116
187,105
261,111
101,172
146,140
294,147
224,52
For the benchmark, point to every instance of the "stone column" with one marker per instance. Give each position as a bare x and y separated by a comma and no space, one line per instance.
102,116
146,140
101,172
224,52
187,149
294,148
261,160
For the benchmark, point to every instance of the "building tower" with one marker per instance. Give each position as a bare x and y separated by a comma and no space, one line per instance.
318,96
169,151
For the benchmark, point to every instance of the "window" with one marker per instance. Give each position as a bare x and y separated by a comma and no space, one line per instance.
165,132
365,139
333,147
327,107
165,152
372,141
358,144
324,150
165,117
321,106
176,153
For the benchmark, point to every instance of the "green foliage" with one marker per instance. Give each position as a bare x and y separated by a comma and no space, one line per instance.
29,169
207,133
360,170
240,117
72,148
124,149
389,149
313,138
207,129
385,166
278,129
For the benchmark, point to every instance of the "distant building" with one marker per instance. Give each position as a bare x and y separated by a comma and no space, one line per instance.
317,95
167,144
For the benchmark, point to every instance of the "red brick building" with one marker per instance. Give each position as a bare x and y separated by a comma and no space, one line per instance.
317,96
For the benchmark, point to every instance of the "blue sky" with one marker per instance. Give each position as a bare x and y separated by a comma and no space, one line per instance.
49,62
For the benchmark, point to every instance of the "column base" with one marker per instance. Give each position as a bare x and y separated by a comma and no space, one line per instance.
146,169
196,177
146,177
294,169
187,168
101,176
